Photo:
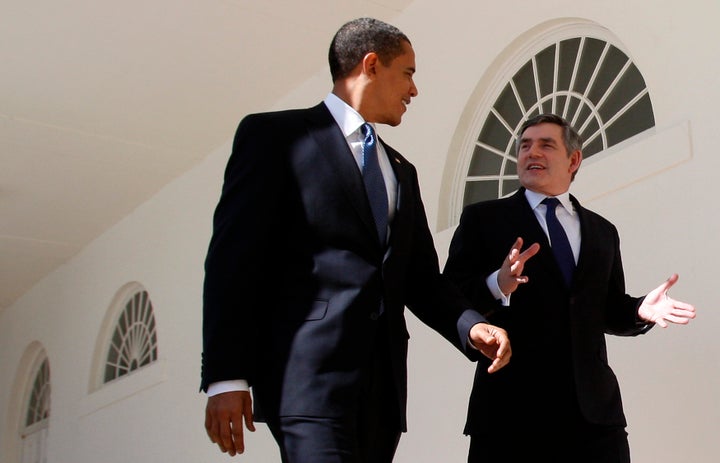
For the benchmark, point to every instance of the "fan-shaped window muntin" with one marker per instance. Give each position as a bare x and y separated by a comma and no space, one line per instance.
133,343
38,408
588,81
36,413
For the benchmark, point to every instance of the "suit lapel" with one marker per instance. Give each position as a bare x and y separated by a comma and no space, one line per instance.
524,215
593,241
331,142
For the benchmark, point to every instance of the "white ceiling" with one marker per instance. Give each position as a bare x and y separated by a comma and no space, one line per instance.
103,103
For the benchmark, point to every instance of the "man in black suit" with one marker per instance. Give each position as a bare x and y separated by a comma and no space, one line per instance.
558,400
307,277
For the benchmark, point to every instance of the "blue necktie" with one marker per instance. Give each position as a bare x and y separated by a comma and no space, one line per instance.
559,241
374,182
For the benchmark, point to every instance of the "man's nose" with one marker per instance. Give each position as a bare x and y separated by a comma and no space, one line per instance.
413,90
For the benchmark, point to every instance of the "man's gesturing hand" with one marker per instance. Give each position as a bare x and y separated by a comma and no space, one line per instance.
494,344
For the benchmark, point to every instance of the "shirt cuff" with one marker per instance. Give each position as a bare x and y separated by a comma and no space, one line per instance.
494,287
227,386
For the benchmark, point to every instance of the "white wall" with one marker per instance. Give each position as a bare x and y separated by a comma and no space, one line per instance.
666,218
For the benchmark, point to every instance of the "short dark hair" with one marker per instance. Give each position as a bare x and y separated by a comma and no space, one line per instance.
357,38
573,141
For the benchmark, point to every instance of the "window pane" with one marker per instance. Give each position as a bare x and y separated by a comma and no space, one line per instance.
568,55
494,133
546,72
525,84
484,162
507,106
637,119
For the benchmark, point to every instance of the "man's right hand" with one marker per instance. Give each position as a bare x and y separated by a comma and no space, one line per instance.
224,416
510,275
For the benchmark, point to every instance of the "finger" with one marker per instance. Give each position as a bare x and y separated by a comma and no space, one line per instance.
529,252
485,334
249,423
682,305
515,249
238,436
503,351
517,245
680,316
494,366
226,442
667,284
497,364
212,428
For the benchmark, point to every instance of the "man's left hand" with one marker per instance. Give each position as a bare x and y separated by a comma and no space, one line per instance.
493,343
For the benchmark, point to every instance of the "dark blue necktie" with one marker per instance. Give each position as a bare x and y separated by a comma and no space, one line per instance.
374,183
559,241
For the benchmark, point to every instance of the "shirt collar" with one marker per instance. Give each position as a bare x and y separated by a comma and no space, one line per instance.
534,199
345,116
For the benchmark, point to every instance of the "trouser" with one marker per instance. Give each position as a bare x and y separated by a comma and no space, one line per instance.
584,444
368,432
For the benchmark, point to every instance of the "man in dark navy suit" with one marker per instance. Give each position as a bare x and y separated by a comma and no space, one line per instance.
307,277
558,400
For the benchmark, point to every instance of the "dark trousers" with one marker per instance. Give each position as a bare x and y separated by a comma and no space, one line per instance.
584,444
368,432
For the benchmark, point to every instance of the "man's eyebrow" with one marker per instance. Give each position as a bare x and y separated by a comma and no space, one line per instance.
544,139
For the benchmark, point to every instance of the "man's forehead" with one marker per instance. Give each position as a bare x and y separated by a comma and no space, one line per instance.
543,131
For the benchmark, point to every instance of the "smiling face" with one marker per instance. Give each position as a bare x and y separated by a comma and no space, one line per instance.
544,164
391,88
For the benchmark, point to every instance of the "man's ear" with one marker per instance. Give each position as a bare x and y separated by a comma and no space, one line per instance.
575,161
369,64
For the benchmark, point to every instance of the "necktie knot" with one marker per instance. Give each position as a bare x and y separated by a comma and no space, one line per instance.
559,241
368,143
551,202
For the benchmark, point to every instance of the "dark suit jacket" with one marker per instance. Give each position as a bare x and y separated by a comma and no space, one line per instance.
557,333
295,272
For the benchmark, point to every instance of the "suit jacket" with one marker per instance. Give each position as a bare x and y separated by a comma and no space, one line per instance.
295,272
557,333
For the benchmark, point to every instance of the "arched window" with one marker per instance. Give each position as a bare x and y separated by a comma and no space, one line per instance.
37,413
128,339
134,341
126,358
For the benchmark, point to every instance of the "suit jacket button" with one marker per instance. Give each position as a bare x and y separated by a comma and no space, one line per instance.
374,316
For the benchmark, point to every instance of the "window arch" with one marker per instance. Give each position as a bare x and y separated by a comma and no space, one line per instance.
128,341
134,341
572,68
36,413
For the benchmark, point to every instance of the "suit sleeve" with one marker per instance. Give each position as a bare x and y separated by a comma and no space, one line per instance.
621,317
470,263
433,298
236,266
